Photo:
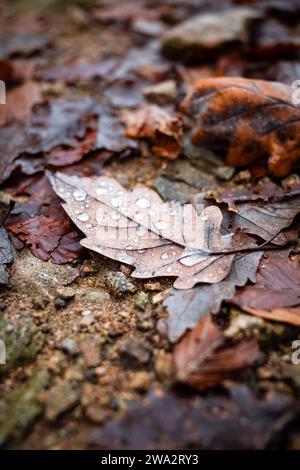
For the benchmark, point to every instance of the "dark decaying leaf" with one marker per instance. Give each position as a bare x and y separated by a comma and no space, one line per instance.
111,133
154,123
80,71
23,44
126,12
252,118
276,294
49,237
186,308
267,219
137,228
68,155
6,253
62,122
41,223
265,191
20,101
166,421
202,358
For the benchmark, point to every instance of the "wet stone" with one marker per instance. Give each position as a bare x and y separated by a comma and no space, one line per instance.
174,190
117,328
84,295
183,170
90,350
62,397
162,93
23,341
135,350
163,366
60,303
141,301
208,32
145,325
225,173
96,414
20,408
69,347
140,381
38,279
118,284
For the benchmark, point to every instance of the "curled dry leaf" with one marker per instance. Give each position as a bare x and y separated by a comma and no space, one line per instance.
203,359
251,118
154,123
137,228
276,294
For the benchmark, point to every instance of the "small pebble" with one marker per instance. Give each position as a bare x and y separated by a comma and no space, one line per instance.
60,303
69,347
86,313
118,284
141,301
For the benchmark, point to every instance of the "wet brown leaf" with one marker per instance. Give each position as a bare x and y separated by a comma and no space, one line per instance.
49,237
19,101
154,123
6,253
203,359
137,228
67,155
264,191
111,133
166,421
81,71
186,308
276,294
62,122
250,118
267,219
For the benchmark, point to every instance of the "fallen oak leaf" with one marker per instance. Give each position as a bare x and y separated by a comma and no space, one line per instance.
203,359
81,71
266,220
186,308
49,237
265,213
276,294
250,118
265,191
6,253
64,155
61,122
111,133
164,130
137,228
290,315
